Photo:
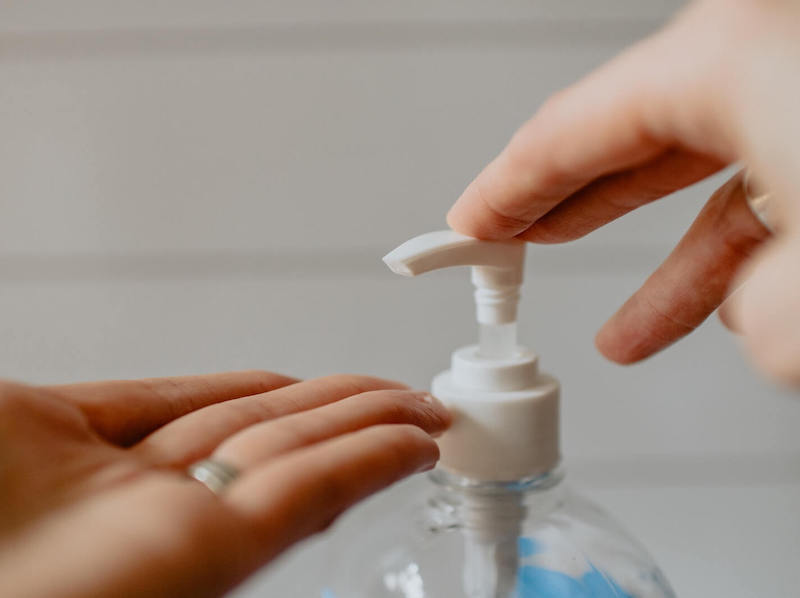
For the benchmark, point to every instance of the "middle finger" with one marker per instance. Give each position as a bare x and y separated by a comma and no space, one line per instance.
197,434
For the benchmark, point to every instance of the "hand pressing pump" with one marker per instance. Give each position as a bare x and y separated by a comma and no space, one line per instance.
496,522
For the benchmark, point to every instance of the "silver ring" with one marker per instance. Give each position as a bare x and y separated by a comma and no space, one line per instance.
758,200
214,475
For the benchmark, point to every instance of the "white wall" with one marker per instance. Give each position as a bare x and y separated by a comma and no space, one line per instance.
197,186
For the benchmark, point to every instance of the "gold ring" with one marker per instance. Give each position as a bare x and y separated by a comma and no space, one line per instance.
758,200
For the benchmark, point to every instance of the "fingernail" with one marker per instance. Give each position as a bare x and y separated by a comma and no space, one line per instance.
427,397
444,415
427,466
429,463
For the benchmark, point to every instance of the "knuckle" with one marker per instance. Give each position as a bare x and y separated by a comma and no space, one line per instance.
741,244
664,315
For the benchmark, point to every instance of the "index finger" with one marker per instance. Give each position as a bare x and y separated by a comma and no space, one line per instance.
599,126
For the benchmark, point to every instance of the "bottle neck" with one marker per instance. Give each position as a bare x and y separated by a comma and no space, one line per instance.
494,510
491,517
522,486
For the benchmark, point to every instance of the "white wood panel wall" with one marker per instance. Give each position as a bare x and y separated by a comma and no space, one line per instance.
193,186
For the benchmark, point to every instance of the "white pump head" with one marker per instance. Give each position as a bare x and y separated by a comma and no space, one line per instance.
496,268
505,411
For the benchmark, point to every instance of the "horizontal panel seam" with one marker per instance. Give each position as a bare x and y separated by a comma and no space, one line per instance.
325,261
323,36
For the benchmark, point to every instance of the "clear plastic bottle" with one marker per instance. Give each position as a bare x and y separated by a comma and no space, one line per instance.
531,538
495,521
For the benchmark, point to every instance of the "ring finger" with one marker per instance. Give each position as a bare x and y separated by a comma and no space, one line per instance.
197,434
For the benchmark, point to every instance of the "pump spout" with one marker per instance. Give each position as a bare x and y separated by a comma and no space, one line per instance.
497,271
446,248
497,268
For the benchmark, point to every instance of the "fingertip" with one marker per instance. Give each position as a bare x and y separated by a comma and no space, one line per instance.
455,219
477,213
443,411
614,347
415,437
541,233
413,449
465,216
431,455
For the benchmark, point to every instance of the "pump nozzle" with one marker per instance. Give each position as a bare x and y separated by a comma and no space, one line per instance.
445,248
497,272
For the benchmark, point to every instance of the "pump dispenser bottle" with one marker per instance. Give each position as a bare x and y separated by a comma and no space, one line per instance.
497,521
